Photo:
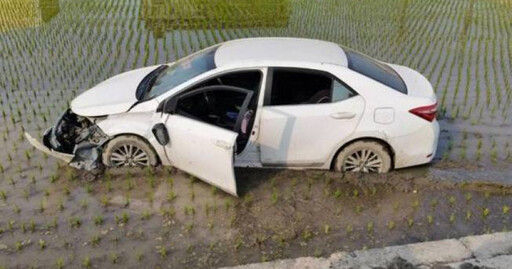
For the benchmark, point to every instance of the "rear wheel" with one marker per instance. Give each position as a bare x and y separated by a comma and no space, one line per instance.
363,157
129,151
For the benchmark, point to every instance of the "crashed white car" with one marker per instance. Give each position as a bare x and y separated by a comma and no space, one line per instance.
260,102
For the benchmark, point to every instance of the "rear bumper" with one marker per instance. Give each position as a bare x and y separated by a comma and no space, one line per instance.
416,148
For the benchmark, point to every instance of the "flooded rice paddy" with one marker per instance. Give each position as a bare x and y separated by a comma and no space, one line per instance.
56,217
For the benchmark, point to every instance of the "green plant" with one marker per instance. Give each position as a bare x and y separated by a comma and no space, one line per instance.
391,225
327,228
114,257
410,222
162,251
42,244
74,222
98,220
452,218
430,219
485,212
369,227
59,263
86,262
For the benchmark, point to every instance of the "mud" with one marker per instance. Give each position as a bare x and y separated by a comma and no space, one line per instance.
281,214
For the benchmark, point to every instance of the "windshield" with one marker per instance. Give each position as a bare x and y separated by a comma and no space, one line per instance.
375,70
181,71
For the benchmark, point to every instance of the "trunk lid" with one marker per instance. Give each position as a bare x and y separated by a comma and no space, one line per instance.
417,84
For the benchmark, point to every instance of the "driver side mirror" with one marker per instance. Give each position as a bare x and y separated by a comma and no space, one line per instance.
161,134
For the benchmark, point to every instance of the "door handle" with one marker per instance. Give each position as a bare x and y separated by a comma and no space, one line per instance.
223,144
343,115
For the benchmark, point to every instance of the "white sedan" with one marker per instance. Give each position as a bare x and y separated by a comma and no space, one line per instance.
260,102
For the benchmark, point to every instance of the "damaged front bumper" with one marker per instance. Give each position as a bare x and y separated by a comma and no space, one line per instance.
75,140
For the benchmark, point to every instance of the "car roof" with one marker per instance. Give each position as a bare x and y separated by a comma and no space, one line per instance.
275,50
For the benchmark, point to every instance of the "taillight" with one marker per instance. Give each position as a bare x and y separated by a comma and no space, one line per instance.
425,112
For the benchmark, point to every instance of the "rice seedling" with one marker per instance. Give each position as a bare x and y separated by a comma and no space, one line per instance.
59,263
42,244
162,251
468,215
410,222
452,218
114,258
485,212
98,220
86,262
74,222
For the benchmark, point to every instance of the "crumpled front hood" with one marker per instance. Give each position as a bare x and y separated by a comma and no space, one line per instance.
112,96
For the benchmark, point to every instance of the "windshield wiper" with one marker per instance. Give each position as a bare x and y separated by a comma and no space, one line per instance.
147,82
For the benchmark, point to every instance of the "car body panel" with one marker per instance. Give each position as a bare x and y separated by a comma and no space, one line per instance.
203,150
417,84
112,96
294,135
38,145
282,49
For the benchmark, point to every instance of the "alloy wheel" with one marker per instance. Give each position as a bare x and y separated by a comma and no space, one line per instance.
364,161
129,155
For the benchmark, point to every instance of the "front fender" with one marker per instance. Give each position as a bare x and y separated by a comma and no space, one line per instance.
139,124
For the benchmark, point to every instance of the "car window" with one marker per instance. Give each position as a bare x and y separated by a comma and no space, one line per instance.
250,80
375,70
182,71
293,86
219,107
340,92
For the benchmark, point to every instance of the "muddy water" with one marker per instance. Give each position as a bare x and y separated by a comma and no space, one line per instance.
165,218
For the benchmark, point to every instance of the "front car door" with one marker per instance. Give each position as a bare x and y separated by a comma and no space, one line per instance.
203,126
306,115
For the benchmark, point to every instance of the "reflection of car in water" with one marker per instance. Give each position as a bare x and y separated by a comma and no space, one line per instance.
262,102
167,15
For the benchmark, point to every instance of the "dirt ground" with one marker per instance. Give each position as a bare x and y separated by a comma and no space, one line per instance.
165,218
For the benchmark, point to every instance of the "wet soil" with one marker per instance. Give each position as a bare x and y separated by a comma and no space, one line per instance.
165,218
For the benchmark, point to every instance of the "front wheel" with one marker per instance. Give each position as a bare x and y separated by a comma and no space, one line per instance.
363,157
129,151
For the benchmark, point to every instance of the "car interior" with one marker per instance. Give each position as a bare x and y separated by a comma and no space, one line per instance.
296,86
221,107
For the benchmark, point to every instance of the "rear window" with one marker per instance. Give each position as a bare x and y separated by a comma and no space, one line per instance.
375,70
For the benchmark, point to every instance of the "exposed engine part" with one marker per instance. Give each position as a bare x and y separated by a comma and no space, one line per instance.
73,134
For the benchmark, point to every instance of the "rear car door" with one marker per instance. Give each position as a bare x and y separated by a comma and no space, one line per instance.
203,127
305,117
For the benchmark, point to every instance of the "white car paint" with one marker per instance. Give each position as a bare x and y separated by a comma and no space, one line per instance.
59,155
112,96
304,135
299,136
284,49
203,150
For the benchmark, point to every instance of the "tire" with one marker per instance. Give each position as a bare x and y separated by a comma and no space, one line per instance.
377,160
129,150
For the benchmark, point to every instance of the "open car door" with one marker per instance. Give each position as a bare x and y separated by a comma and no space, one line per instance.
203,127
